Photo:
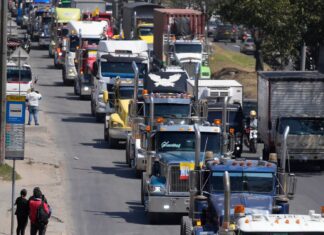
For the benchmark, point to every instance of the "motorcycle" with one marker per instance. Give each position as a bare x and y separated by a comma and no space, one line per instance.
252,141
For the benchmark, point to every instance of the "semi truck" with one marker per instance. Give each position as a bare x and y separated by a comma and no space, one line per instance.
114,61
85,58
59,32
171,103
219,93
138,21
293,99
78,32
179,38
223,190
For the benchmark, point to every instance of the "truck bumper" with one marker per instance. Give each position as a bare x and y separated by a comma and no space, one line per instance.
172,204
119,133
44,41
85,90
140,162
306,156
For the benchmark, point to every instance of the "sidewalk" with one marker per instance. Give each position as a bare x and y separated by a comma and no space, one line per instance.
42,168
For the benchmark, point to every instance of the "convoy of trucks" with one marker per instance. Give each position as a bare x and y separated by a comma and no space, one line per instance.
183,131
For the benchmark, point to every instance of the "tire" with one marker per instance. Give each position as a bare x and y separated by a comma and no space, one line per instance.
265,154
112,143
142,191
153,217
64,77
93,112
75,90
99,118
127,159
138,173
186,226
106,134
253,145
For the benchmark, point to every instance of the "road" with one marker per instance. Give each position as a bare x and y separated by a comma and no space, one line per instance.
104,193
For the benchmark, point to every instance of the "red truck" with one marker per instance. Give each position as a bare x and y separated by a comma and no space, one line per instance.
171,25
85,58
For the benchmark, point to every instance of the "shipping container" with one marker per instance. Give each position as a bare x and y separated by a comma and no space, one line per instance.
167,18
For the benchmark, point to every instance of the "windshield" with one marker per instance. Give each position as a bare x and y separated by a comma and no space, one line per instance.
249,182
128,92
122,69
13,74
281,233
47,20
302,126
145,31
169,110
235,118
74,42
188,48
185,141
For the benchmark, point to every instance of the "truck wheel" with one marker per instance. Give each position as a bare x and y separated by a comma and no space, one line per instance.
111,141
99,117
93,113
265,154
153,217
64,77
253,146
127,152
138,173
186,226
75,89
106,134
142,191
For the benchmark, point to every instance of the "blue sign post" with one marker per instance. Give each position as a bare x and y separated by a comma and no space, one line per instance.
15,127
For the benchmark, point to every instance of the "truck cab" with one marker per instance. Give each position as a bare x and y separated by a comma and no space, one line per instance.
117,124
79,31
59,31
165,184
85,58
45,29
251,187
166,91
114,61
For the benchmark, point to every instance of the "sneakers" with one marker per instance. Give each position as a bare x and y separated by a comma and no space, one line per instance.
28,124
36,124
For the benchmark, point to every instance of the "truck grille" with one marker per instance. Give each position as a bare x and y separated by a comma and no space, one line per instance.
177,185
190,68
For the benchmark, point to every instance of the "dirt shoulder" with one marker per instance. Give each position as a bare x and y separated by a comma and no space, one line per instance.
42,168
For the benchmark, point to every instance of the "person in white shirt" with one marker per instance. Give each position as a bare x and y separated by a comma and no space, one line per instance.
33,102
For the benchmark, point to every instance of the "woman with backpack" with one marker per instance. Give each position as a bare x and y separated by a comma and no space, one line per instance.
39,212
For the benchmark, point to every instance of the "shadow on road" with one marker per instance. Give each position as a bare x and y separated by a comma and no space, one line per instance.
137,215
306,169
123,172
55,84
81,119
97,143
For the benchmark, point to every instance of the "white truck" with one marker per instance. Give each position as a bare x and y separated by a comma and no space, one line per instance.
215,92
114,61
293,99
80,31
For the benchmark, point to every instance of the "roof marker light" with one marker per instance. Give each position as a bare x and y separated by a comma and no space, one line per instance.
249,163
217,122
322,211
297,221
234,163
241,163
145,92
239,210
287,221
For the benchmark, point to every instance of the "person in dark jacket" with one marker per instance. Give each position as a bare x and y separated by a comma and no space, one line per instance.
34,203
22,211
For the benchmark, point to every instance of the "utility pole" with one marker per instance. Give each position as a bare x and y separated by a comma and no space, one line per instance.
3,75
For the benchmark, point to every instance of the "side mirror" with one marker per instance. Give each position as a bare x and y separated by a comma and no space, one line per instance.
105,96
291,185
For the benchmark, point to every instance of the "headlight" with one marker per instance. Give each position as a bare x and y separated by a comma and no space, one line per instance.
71,61
42,34
116,124
156,189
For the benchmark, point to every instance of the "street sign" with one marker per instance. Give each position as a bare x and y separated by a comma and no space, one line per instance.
15,127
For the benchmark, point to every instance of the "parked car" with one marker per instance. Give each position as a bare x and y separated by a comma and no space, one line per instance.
226,32
247,46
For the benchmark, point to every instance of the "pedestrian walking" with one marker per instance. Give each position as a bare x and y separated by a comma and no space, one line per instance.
39,212
22,210
32,99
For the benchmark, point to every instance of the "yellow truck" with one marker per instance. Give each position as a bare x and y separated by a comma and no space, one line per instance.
57,45
116,124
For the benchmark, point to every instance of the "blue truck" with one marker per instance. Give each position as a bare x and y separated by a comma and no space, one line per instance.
256,186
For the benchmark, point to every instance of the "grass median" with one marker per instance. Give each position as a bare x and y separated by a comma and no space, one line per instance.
6,173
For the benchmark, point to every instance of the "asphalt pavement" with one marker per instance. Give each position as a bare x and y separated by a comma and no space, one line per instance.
104,193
